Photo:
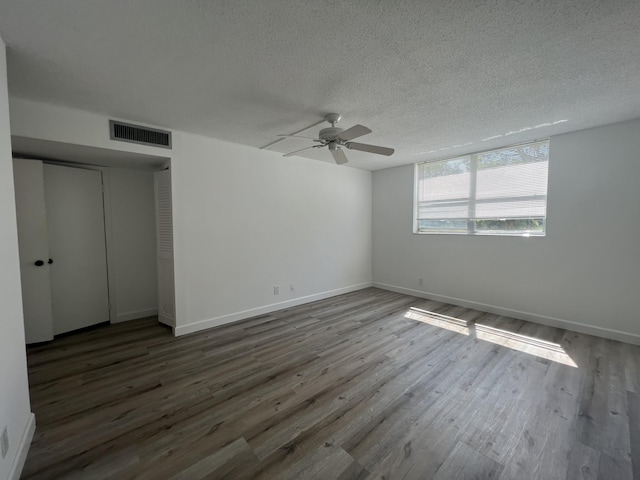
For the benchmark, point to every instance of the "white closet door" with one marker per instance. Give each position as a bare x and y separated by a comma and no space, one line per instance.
75,217
164,239
34,250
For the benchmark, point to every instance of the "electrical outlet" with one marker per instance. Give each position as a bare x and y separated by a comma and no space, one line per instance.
4,441
291,288
421,281
276,290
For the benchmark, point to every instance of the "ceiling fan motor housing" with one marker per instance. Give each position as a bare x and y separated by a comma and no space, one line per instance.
329,134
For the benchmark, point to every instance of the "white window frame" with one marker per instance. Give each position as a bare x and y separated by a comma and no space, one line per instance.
470,220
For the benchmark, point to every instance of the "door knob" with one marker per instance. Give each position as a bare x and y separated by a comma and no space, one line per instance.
38,263
50,261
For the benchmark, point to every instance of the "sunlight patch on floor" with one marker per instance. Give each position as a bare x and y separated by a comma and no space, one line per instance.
522,343
515,341
438,320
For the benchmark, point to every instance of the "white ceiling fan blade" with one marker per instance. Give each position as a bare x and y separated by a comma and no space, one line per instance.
294,133
339,156
364,147
302,149
354,132
298,136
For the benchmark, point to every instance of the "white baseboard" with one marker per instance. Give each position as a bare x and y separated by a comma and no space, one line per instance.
135,314
234,317
531,317
23,448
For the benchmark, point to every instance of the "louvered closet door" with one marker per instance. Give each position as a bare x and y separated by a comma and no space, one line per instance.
164,239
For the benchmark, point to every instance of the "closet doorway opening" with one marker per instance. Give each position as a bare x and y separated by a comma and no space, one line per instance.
95,236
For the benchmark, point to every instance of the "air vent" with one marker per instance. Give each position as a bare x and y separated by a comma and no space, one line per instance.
126,132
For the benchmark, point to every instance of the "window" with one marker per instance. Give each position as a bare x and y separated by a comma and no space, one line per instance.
500,192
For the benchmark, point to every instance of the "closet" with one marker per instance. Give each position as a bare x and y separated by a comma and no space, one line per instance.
61,235
96,245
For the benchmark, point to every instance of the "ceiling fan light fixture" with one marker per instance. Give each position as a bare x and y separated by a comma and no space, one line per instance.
332,118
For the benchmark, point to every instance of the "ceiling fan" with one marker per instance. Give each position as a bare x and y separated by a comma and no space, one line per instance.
336,138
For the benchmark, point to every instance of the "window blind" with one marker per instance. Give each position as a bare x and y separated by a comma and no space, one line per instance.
497,192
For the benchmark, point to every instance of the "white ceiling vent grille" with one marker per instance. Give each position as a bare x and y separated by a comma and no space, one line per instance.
126,132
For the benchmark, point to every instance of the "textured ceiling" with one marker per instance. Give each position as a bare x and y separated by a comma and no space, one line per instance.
432,79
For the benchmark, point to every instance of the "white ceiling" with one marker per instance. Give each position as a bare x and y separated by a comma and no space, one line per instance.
432,79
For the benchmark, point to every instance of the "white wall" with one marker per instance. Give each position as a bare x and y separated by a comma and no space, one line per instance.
15,411
584,275
62,124
133,243
244,219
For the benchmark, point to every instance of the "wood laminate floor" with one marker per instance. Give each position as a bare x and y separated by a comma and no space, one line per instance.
367,385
